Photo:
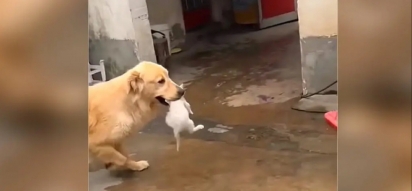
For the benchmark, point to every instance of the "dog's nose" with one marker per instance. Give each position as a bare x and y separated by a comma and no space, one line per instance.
181,92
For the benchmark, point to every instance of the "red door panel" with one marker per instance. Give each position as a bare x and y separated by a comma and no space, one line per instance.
196,13
272,8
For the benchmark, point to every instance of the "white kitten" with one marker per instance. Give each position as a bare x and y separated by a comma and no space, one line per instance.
178,118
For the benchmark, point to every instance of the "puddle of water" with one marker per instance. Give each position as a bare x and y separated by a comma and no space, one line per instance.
238,85
217,130
273,91
224,126
99,181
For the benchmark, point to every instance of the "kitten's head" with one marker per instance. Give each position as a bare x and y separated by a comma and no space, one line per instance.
181,98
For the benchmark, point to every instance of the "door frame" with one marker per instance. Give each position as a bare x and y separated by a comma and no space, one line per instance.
265,23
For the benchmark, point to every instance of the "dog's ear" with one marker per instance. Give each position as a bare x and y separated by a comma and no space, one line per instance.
135,81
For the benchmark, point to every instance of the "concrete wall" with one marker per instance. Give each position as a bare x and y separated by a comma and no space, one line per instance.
143,35
168,12
318,27
112,36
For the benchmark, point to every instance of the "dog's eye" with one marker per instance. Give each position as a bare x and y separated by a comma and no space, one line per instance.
162,81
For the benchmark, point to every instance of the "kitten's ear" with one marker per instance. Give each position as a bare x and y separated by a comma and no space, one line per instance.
135,82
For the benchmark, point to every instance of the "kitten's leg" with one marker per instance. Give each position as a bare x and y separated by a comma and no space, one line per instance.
191,126
187,105
198,127
177,137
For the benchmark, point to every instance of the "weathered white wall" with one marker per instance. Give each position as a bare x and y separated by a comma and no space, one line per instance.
220,10
217,7
141,25
112,36
110,19
168,12
318,17
318,28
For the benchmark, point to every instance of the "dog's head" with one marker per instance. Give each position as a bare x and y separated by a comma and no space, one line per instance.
150,80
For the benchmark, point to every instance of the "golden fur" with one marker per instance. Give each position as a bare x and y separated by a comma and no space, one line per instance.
123,105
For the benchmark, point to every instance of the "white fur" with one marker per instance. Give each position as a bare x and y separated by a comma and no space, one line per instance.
178,119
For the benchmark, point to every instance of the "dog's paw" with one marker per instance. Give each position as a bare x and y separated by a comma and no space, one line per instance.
139,165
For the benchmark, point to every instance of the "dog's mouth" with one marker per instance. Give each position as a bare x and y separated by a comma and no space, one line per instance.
162,100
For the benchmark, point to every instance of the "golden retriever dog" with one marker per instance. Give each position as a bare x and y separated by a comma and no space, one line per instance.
124,105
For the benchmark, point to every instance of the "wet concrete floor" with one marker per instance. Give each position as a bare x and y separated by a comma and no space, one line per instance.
241,87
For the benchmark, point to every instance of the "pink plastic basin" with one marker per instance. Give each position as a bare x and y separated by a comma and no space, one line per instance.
332,118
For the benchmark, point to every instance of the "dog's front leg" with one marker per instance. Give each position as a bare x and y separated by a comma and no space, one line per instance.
108,154
131,164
